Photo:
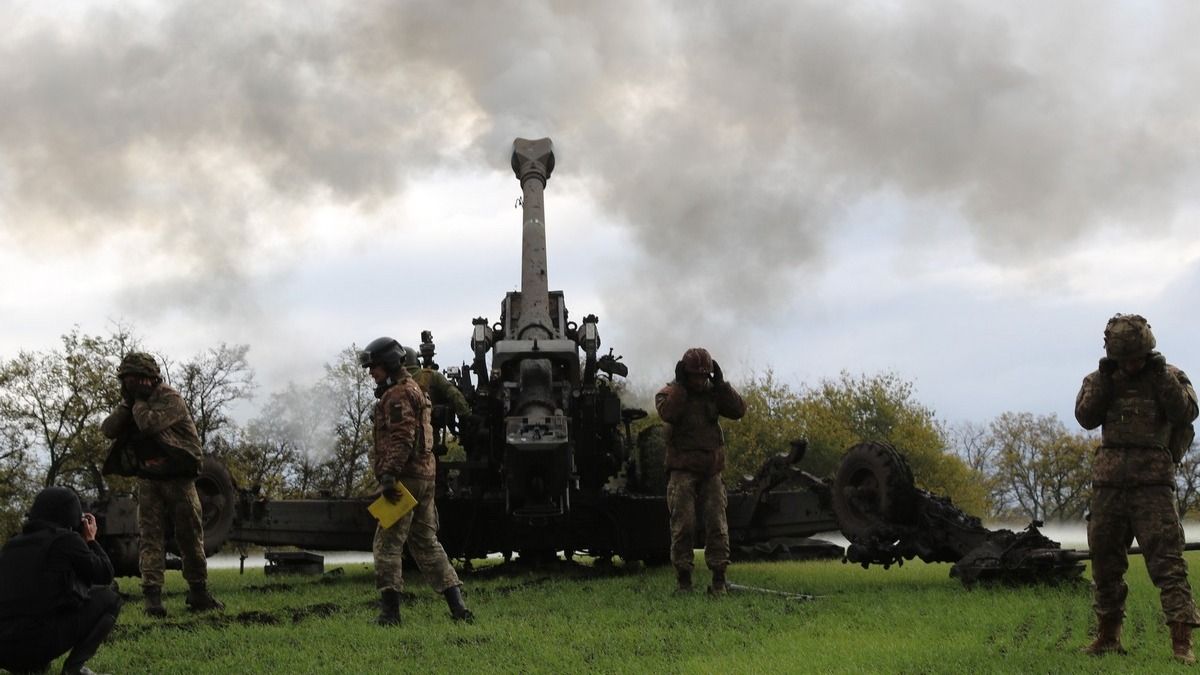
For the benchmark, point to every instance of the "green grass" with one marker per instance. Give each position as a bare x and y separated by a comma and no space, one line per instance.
912,619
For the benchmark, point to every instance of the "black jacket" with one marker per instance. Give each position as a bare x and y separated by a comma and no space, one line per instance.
48,569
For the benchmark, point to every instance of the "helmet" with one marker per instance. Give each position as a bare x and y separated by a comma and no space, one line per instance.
139,363
384,352
697,361
1127,336
410,357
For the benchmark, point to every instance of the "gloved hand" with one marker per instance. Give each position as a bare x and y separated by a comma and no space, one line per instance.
126,394
680,373
1108,366
1156,363
388,482
718,378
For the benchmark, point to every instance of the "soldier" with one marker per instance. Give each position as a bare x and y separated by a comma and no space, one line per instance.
403,452
155,439
54,588
1144,407
441,392
690,406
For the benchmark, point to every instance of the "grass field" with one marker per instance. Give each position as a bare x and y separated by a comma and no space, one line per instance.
913,619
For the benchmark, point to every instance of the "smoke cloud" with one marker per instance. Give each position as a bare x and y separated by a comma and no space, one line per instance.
730,140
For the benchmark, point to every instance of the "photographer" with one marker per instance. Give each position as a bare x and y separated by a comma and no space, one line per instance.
54,593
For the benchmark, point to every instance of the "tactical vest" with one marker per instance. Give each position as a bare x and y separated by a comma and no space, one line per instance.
695,442
29,586
1134,418
698,427
421,463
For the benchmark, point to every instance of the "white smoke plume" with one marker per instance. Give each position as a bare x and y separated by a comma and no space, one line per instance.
729,139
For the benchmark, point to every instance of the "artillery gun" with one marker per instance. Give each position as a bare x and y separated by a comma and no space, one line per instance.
552,465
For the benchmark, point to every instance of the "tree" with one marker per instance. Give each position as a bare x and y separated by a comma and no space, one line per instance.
972,443
17,485
1045,470
210,382
839,413
348,392
1187,481
52,403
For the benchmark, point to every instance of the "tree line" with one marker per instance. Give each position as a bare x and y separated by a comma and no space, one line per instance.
312,440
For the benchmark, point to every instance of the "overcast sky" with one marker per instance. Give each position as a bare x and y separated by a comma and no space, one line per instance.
958,192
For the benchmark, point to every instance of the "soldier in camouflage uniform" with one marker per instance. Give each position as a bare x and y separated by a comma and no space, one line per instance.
155,439
441,392
1144,406
690,407
403,452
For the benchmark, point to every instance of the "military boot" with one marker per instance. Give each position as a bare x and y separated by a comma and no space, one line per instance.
719,586
199,599
458,608
1181,642
389,608
683,581
152,596
1108,637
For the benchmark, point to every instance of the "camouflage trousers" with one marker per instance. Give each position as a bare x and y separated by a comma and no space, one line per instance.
170,501
419,530
1118,515
686,490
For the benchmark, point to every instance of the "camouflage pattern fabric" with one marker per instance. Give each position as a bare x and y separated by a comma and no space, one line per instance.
1136,413
440,390
1118,515
686,490
1133,478
694,439
403,432
160,427
419,530
175,501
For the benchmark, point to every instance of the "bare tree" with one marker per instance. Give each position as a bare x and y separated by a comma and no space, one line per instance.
1044,469
973,443
348,390
210,382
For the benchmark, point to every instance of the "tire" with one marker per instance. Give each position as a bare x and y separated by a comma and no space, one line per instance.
874,496
652,460
218,503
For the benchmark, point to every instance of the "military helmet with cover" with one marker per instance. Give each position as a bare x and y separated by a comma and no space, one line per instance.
410,358
1128,336
385,352
139,363
697,361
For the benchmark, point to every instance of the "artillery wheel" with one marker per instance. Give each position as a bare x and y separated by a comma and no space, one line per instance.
218,503
652,460
873,492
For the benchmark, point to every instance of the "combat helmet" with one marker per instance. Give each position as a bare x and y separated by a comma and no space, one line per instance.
385,352
139,363
1127,336
697,361
410,357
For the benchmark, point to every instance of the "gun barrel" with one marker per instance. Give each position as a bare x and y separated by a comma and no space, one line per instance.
532,162
1133,550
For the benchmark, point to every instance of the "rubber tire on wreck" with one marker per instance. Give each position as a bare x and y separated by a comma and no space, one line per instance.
882,466
218,504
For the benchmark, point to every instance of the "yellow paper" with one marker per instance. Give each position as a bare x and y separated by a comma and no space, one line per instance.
388,513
